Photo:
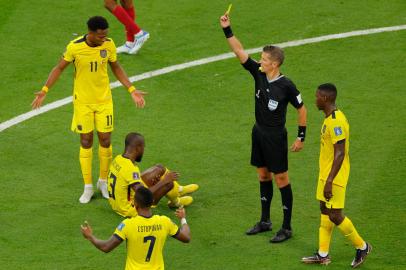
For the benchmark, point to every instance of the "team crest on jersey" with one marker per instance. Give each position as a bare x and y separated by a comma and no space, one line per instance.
338,131
120,226
136,176
272,104
103,53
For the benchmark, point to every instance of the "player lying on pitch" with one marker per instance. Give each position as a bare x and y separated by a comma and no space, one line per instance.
125,177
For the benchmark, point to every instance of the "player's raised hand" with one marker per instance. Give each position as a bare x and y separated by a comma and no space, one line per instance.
138,98
296,146
225,20
39,98
86,230
180,213
171,176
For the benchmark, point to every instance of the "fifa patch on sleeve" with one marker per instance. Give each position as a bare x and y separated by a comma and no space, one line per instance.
338,131
299,98
136,176
120,226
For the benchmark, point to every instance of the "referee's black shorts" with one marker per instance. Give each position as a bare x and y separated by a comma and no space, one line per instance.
270,148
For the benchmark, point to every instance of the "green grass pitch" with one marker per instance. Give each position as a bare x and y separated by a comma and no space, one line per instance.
198,122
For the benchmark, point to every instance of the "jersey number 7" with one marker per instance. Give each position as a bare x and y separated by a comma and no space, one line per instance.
151,246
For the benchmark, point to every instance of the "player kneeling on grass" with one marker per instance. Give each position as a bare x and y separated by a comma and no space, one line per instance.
145,234
124,178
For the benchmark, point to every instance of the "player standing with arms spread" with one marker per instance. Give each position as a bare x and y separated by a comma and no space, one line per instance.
125,13
145,234
334,163
269,153
92,99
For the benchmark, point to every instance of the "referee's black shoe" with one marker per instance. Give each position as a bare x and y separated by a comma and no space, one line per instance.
281,235
262,226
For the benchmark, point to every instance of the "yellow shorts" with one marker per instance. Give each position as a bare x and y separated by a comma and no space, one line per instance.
338,199
87,116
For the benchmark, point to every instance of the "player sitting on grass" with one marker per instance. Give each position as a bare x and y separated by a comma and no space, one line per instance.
145,234
124,178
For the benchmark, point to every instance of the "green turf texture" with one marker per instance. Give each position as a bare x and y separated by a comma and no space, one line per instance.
198,122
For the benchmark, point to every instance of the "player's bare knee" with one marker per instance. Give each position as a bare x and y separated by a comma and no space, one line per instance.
86,142
160,166
126,3
336,216
323,208
169,186
105,142
281,180
110,4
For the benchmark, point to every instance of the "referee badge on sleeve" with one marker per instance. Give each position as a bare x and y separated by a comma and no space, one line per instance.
299,98
272,104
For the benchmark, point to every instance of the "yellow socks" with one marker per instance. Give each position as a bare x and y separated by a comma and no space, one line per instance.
105,156
85,159
325,232
349,231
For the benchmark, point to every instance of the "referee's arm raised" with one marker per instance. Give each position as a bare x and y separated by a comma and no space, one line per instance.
234,43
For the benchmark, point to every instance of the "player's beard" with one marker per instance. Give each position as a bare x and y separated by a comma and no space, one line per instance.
139,158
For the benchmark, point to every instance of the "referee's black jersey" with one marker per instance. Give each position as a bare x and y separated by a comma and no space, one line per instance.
271,98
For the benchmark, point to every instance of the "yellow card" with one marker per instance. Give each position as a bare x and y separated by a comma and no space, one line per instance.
229,9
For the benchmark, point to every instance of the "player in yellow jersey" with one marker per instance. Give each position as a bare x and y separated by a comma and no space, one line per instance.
125,177
145,234
334,166
92,99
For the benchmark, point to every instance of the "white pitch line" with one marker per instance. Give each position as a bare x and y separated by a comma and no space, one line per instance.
56,104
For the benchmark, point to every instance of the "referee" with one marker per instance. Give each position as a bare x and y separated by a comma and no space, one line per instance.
269,153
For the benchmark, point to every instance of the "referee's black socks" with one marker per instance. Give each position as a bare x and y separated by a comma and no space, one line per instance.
287,202
266,190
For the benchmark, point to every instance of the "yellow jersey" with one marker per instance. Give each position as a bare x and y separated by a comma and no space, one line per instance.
122,174
146,238
335,128
91,81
